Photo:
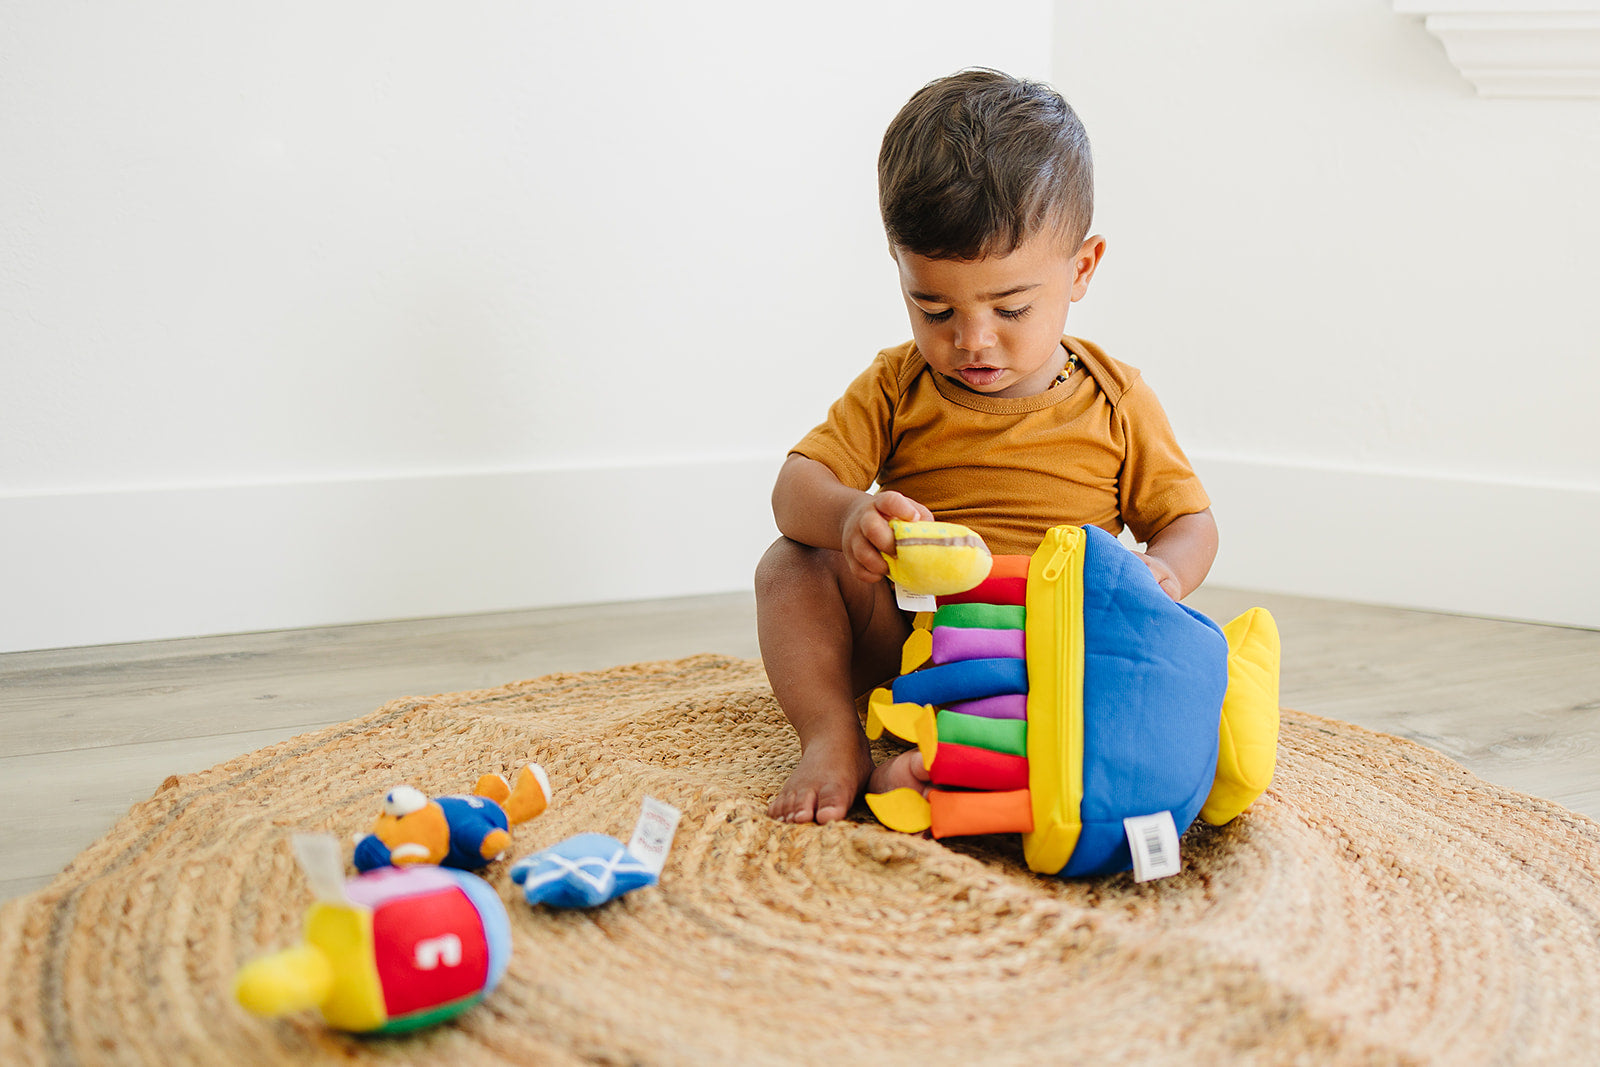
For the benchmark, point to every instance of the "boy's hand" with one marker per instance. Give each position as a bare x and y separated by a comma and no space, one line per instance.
866,534
1163,575
1180,555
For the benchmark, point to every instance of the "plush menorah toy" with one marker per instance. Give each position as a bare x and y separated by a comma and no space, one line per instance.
1064,696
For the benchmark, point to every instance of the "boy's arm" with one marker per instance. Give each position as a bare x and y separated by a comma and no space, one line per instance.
1180,555
814,508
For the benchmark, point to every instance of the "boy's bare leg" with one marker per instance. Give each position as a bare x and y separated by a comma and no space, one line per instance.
825,637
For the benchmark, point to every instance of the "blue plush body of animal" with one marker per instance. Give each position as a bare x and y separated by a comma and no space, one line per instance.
462,831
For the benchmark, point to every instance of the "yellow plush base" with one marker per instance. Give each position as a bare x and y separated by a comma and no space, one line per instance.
1248,734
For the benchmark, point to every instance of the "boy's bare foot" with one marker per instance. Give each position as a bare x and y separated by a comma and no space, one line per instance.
904,771
825,783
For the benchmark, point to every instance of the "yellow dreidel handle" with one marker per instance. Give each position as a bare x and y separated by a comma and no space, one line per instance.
284,982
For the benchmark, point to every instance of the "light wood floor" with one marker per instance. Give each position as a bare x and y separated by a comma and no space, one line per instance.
84,733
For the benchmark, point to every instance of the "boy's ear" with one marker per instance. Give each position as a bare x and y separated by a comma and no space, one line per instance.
1084,263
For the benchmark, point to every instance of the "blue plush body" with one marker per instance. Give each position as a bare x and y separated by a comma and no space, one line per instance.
1154,674
470,818
971,679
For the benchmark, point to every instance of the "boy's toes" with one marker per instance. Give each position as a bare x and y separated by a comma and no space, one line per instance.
824,784
833,803
798,805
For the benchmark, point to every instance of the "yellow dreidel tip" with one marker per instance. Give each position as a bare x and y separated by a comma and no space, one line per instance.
288,981
905,810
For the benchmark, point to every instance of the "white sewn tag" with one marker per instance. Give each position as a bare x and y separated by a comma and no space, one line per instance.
915,601
323,863
1153,840
652,837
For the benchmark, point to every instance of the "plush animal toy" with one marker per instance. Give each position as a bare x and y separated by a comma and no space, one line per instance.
1067,698
466,832
388,951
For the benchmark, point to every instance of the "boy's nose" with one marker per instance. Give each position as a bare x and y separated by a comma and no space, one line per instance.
973,335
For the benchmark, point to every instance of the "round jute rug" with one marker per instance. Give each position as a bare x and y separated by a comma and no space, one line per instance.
1378,905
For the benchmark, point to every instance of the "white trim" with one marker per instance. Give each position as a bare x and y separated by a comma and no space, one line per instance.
101,568
97,568
1441,543
1507,48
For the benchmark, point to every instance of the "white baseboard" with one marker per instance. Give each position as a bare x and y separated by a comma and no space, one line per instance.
102,568
1410,540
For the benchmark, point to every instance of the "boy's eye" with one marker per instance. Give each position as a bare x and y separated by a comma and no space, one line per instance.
935,317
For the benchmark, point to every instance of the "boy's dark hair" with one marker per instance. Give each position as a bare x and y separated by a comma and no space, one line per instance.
978,162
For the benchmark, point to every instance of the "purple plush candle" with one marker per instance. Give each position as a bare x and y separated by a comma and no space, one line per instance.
1010,706
954,643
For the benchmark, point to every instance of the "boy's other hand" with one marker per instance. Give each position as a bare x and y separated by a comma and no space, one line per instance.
1180,555
866,534
1163,575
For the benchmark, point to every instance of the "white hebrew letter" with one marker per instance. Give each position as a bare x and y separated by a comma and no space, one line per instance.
434,951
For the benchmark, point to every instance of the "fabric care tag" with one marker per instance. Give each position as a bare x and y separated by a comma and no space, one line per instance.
322,861
1153,840
914,601
652,837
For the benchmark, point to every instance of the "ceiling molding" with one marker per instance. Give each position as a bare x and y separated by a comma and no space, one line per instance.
1507,48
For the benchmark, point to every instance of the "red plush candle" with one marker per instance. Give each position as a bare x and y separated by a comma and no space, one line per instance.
1007,584
978,768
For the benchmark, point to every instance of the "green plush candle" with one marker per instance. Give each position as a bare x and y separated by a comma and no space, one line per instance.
997,735
982,616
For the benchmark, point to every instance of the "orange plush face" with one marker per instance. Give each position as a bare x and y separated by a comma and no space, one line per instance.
413,833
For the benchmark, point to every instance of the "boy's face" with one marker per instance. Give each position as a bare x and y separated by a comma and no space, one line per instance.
994,325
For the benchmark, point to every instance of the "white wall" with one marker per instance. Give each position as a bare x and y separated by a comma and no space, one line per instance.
314,313
1366,296
319,313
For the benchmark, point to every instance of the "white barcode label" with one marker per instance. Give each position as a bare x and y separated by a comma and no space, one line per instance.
915,601
1153,840
652,836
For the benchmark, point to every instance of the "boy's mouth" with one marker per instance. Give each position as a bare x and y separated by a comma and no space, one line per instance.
977,376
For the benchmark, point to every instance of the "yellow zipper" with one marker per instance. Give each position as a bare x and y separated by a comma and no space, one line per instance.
1055,698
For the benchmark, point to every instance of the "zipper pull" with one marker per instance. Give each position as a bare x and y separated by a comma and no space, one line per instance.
1067,539
1057,564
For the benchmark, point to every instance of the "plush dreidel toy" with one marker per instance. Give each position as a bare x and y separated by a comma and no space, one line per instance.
1066,697
385,952
465,832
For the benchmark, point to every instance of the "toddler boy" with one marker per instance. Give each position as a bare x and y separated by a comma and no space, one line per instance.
988,417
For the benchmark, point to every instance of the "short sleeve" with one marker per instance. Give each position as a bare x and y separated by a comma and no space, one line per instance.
856,438
1157,483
